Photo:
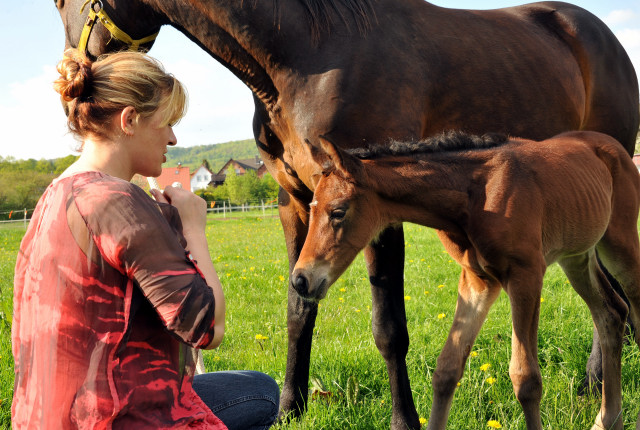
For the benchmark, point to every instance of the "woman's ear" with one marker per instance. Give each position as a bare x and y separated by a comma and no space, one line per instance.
128,120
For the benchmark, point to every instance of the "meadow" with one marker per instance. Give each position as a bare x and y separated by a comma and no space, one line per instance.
348,377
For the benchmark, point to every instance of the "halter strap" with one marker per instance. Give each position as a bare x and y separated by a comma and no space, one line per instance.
116,32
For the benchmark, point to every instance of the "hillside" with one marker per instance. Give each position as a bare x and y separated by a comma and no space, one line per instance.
216,154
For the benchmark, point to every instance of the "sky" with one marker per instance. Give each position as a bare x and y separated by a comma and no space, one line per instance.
220,106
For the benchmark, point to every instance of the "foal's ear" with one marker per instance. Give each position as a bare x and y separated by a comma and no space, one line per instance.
331,158
321,156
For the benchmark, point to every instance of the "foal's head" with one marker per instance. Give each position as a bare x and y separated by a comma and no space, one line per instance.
343,220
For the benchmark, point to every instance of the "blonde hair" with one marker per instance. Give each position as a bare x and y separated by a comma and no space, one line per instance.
95,91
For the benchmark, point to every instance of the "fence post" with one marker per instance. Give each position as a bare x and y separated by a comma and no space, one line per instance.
224,209
262,204
25,219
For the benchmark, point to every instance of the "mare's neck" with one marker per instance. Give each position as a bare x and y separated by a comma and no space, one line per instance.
428,192
254,39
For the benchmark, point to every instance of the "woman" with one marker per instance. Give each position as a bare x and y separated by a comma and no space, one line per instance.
113,289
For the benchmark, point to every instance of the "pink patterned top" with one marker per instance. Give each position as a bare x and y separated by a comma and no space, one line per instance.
106,305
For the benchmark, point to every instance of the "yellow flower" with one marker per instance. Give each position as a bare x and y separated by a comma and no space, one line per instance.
541,299
281,277
422,420
341,299
494,424
342,290
440,316
426,292
473,354
485,367
261,337
491,380
407,297
357,310
440,286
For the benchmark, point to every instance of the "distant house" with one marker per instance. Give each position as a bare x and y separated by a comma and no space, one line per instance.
201,178
243,166
171,175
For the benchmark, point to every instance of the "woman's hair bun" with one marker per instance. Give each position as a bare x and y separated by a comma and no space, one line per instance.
75,76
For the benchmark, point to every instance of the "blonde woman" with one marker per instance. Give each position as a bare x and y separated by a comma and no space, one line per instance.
113,288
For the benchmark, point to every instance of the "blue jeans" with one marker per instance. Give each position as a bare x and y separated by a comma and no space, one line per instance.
242,399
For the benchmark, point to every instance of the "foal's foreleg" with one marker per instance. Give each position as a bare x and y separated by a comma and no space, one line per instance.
475,297
609,313
524,288
385,263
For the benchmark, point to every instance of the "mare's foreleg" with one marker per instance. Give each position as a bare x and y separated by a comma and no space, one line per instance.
301,315
609,313
475,297
524,287
385,264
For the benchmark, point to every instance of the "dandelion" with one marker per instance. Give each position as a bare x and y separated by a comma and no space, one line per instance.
441,316
485,367
494,424
357,310
541,299
422,420
407,297
281,278
342,290
441,286
426,292
261,337
341,299
491,380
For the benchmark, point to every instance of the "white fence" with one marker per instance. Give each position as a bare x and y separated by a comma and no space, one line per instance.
15,216
222,209
225,209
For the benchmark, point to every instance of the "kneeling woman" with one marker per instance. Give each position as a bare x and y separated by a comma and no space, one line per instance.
113,289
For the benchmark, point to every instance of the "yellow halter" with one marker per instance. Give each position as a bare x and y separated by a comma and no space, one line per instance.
108,23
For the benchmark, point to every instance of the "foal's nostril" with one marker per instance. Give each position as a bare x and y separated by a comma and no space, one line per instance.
301,285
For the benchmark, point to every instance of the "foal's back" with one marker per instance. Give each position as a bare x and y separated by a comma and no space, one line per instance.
560,194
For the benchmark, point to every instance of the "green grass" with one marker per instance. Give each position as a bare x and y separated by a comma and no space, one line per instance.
250,256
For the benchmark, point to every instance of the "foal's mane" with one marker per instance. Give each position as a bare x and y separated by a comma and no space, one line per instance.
446,142
321,14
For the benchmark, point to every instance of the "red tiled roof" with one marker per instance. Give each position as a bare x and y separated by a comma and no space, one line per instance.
175,174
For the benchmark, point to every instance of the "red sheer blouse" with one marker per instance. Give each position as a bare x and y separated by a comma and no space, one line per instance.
107,304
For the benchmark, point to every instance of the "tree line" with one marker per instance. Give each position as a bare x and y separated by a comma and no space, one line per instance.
241,189
22,182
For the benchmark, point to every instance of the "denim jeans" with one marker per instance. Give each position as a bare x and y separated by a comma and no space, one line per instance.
242,399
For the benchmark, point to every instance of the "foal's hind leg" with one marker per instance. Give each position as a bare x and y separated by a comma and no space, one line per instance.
609,313
475,297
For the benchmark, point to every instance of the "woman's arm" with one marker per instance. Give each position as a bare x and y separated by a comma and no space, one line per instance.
193,214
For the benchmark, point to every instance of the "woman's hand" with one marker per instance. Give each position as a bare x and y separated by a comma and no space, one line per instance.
192,208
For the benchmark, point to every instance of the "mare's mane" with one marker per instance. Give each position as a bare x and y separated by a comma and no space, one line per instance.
445,142
321,14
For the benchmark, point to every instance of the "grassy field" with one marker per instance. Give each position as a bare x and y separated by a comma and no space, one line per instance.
250,256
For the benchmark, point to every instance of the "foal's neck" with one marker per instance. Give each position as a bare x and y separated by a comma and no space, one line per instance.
433,191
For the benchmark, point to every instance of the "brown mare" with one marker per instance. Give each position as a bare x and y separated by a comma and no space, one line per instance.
361,71
504,212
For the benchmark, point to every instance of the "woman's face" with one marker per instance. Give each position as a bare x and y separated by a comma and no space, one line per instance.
149,144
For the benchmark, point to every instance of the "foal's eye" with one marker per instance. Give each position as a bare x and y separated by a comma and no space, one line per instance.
337,214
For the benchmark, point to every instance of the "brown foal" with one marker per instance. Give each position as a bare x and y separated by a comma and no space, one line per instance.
504,210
